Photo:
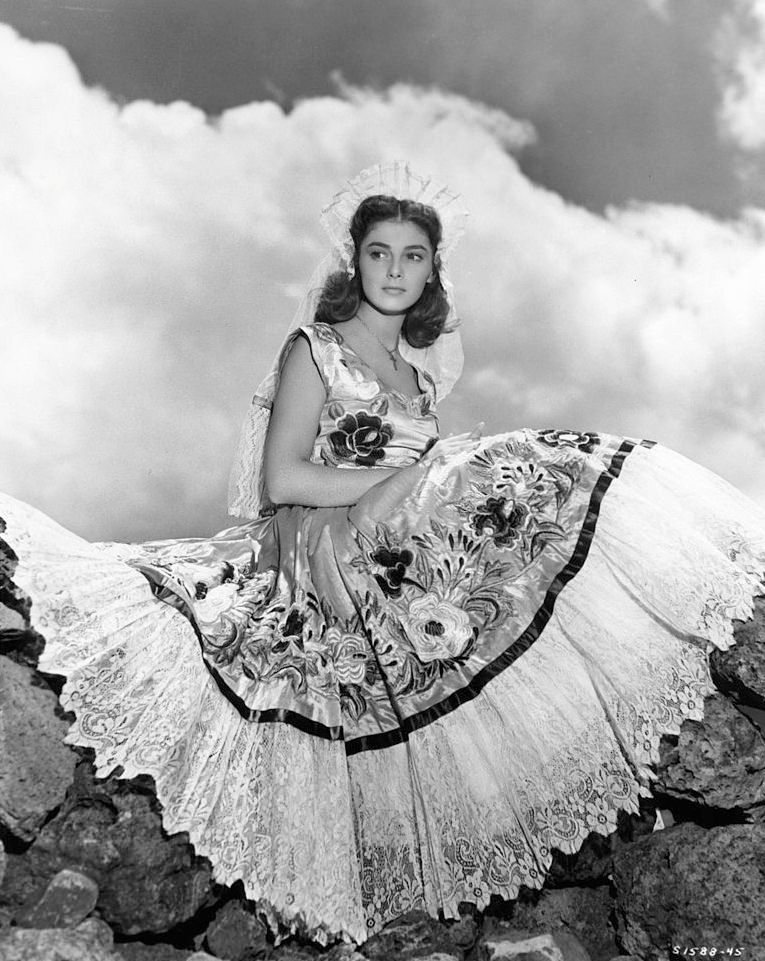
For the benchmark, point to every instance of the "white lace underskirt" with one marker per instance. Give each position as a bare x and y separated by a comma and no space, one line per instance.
471,804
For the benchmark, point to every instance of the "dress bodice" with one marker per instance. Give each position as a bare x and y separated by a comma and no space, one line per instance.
365,423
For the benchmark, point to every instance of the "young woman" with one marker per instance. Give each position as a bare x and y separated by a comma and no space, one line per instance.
423,663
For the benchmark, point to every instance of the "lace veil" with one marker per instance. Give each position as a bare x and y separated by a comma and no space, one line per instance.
442,360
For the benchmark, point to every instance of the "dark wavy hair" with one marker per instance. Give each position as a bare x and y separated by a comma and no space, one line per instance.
342,295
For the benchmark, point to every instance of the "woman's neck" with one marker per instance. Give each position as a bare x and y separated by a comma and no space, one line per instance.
386,327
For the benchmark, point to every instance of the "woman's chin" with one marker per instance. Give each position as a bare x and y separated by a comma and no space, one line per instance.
392,304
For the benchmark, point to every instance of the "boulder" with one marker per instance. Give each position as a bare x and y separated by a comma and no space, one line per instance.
718,762
36,767
65,903
17,640
689,885
293,950
235,933
136,951
536,947
111,830
591,864
413,936
740,671
91,941
344,952
576,911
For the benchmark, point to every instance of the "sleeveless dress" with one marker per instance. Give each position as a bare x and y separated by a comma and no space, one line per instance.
407,703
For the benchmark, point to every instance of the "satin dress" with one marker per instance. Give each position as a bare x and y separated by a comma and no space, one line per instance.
407,703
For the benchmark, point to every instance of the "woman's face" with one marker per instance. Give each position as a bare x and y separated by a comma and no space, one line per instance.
395,263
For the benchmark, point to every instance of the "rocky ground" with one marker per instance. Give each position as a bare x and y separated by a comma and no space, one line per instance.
88,874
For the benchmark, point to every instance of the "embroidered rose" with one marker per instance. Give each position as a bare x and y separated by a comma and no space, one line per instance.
437,629
395,563
215,602
361,437
504,520
584,440
349,655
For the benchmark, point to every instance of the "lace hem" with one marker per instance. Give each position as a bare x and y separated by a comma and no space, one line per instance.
472,804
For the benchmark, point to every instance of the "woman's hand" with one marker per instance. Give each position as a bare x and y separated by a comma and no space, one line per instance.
452,444
385,498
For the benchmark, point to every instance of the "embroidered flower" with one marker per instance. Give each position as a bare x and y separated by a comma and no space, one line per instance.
215,602
584,440
504,520
522,481
362,437
437,629
349,655
290,631
293,623
395,563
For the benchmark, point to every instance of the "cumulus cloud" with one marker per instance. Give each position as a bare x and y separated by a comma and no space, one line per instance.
741,53
151,258
659,7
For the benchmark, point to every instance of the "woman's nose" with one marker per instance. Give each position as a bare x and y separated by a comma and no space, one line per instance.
395,269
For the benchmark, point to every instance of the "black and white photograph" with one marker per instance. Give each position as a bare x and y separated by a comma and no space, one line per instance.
382,480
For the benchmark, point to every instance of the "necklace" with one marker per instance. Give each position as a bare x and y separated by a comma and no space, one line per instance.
390,353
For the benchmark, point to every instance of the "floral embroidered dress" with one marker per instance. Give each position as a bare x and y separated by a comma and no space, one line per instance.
407,703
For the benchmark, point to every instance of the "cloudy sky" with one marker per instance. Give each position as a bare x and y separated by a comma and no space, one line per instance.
163,164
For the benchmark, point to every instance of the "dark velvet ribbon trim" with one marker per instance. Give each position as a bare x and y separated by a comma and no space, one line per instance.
169,592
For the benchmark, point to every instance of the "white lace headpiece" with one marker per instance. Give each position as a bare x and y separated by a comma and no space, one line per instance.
442,360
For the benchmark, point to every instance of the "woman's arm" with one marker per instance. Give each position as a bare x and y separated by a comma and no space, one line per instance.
290,476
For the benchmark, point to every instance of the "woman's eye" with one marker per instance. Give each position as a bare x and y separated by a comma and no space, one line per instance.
415,257
376,254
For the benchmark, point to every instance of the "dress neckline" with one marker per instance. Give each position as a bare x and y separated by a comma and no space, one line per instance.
418,374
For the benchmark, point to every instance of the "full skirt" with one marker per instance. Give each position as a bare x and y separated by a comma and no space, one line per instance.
408,703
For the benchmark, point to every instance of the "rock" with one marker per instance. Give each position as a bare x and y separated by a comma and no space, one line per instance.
691,886
571,947
136,951
718,761
65,903
11,622
591,864
111,830
413,936
343,952
23,647
583,913
17,639
88,942
464,933
235,933
36,767
437,956
740,671
97,930
539,947
294,951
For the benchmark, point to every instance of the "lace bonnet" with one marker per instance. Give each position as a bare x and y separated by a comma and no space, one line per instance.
442,360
